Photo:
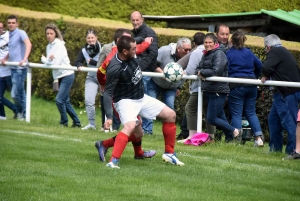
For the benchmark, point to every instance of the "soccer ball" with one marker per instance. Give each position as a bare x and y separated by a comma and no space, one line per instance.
173,72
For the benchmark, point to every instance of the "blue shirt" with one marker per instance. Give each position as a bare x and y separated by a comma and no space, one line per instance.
243,63
17,47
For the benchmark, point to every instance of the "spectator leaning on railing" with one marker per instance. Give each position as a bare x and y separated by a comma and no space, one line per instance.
89,54
19,49
5,75
242,63
281,65
57,54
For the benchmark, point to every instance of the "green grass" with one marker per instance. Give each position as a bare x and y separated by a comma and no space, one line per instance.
43,161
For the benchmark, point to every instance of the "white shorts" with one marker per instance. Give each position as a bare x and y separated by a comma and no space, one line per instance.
146,107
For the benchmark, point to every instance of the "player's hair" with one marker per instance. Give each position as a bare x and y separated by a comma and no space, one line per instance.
91,31
12,17
124,43
119,33
219,26
55,29
238,39
198,38
211,36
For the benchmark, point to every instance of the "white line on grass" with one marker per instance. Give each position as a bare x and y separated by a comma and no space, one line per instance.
44,135
237,164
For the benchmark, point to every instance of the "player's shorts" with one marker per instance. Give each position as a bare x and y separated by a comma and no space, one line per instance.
146,107
298,116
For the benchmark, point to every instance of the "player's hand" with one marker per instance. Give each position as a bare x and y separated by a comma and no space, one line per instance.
107,124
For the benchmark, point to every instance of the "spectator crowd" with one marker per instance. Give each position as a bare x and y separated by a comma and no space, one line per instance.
130,99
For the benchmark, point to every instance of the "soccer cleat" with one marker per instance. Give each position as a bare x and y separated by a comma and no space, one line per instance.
171,158
113,163
89,126
292,156
101,150
258,143
147,154
2,118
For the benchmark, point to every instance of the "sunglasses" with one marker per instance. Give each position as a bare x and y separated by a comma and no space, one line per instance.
186,49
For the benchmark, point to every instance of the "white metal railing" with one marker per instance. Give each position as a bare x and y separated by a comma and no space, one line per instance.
191,77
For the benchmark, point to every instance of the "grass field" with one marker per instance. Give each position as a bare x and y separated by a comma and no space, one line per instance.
43,161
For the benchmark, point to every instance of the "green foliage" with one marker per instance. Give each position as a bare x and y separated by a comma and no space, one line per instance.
119,10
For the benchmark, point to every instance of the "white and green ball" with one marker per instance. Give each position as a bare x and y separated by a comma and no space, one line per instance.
173,72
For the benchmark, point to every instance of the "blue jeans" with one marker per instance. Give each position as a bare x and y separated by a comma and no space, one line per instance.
215,114
283,116
18,76
242,101
154,91
146,80
63,100
5,83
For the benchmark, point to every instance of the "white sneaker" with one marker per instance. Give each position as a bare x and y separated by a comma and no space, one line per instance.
171,158
89,126
2,118
20,117
258,143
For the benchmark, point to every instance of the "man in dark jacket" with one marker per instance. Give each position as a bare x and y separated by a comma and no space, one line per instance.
147,60
281,65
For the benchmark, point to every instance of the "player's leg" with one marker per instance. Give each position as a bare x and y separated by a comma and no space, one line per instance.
152,108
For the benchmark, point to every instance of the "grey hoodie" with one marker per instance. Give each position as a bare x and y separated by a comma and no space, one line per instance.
166,54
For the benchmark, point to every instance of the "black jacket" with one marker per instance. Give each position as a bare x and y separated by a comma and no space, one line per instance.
147,60
281,65
214,63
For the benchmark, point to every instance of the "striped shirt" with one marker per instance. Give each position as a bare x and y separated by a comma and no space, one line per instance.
123,81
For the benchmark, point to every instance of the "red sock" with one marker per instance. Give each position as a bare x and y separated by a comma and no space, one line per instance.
169,132
109,142
137,145
120,144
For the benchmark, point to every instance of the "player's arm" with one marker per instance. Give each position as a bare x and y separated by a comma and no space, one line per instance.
112,80
101,72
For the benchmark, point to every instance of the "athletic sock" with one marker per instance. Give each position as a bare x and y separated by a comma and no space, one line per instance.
109,142
169,132
137,145
120,144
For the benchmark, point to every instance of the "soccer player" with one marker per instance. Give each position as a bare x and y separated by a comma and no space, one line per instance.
125,87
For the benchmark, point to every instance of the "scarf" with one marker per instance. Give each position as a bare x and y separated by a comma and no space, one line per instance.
93,49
